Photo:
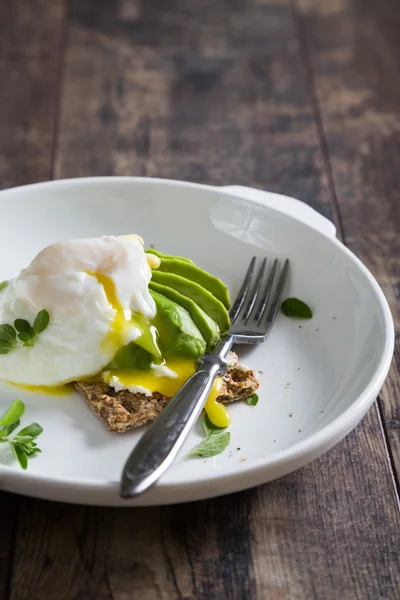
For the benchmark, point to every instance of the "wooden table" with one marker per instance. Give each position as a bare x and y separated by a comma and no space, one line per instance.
300,97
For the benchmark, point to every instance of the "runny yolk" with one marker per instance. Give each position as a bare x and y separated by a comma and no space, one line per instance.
168,386
49,390
115,338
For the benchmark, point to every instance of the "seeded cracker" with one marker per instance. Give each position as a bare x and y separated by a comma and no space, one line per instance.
121,411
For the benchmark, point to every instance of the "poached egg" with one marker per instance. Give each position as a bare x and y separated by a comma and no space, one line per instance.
91,288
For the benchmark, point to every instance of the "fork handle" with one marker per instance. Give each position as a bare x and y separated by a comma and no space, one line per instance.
159,446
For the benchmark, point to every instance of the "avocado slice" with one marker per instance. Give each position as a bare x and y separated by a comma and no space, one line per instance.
209,329
211,305
179,336
160,255
194,273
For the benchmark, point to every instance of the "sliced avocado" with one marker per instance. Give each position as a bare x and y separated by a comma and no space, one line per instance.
194,273
211,305
178,335
160,255
209,329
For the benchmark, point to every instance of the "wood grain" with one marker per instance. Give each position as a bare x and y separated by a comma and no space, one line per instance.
30,33
354,53
30,38
218,92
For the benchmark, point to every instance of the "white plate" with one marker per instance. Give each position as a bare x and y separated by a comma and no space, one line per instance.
325,372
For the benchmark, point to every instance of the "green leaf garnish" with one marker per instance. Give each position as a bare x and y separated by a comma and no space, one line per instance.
7,333
209,427
41,322
20,454
252,400
23,443
33,430
23,326
211,445
296,309
9,429
13,414
24,337
215,442
27,333
5,347
3,285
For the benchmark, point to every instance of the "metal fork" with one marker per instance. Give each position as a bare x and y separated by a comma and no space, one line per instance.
252,316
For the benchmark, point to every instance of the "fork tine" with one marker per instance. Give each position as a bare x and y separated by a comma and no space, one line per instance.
256,291
267,293
234,312
273,310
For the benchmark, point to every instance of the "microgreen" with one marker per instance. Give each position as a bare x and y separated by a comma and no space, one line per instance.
215,441
23,443
252,400
296,309
23,332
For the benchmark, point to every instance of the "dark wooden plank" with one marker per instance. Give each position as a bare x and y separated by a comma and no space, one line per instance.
30,39
354,51
214,92
326,531
29,63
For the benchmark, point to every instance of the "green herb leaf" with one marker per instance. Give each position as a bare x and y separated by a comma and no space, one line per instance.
296,309
13,414
32,430
7,333
215,442
252,400
26,333
3,285
41,322
23,443
20,454
22,326
210,428
9,429
31,451
212,445
5,347
25,337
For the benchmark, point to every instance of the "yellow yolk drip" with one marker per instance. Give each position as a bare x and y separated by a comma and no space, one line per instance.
115,337
168,386
49,390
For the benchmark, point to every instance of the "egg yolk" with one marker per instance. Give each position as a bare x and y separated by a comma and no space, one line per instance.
168,386
120,324
50,390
